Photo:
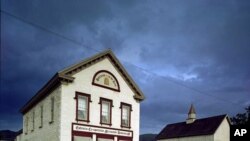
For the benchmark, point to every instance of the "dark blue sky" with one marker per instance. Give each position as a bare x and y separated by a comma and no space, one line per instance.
178,51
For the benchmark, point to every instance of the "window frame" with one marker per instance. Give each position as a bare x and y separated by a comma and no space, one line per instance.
52,109
88,97
41,116
110,110
105,86
129,112
33,121
26,124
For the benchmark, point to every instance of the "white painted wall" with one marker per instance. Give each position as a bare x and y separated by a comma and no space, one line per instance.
19,137
223,132
65,106
194,138
83,83
48,132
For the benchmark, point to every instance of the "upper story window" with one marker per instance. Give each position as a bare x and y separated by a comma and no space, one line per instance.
33,120
41,116
106,111
26,124
82,106
52,109
126,115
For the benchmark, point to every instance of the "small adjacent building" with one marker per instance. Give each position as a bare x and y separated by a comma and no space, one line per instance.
216,128
94,100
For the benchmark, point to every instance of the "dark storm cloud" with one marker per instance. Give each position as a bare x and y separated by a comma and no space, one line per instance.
29,57
54,13
170,102
198,44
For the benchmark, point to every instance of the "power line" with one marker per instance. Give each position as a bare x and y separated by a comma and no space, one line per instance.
185,86
47,30
143,69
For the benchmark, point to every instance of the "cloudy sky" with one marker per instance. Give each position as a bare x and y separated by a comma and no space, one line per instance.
178,51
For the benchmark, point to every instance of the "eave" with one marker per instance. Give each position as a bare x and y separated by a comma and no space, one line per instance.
53,83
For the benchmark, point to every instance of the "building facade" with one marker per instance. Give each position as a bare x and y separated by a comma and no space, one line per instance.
94,100
216,128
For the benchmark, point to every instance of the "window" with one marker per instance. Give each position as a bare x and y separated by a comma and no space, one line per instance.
106,139
26,124
52,108
125,115
106,112
106,79
41,117
82,138
123,138
82,106
33,121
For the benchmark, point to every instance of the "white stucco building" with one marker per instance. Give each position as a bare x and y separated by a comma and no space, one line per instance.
216,128
94,100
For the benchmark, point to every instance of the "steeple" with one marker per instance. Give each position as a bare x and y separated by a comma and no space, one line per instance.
191,115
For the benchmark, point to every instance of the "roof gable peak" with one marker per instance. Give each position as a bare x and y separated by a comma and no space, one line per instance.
66,76
68,72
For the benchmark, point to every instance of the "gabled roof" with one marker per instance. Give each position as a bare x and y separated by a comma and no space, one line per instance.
205,126
66,76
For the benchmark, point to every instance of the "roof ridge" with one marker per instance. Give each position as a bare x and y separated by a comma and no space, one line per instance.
213,116
65,76
84,60
201,118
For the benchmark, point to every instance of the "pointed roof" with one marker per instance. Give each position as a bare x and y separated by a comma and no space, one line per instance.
66,76
205,126
192,110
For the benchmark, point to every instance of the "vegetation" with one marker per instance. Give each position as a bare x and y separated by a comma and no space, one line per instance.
242,118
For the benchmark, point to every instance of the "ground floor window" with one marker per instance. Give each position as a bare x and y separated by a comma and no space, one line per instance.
81,138
103,137
124,139
99,137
